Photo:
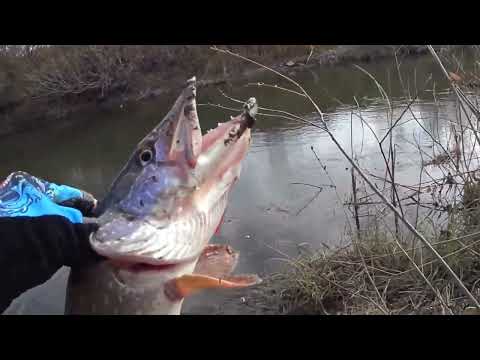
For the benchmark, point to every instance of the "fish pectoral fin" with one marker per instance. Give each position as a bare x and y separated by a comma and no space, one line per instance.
186,285
217,261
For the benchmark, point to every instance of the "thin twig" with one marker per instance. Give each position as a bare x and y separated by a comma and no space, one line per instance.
365,177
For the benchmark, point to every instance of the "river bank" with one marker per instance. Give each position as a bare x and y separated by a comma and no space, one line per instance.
46,86
371,277
268,215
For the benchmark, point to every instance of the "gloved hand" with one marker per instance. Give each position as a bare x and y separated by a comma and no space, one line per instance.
42,228
22,194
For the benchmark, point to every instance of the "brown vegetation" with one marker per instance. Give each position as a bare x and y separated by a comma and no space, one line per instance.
102,70
425,268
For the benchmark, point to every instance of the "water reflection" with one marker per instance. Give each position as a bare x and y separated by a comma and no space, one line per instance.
262,218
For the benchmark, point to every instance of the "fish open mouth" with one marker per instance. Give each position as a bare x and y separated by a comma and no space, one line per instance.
171,196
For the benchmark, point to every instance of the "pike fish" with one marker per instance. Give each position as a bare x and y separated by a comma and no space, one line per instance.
161,211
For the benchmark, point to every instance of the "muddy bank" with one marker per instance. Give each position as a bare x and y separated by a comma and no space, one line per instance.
22,110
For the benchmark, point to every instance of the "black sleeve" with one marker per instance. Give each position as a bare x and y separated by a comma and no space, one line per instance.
32,249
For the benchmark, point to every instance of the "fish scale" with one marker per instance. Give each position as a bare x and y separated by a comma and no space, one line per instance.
159,215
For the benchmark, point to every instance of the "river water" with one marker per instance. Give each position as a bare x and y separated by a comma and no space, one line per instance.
267,214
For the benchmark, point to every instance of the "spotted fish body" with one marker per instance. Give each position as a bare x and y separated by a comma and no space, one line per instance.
160,214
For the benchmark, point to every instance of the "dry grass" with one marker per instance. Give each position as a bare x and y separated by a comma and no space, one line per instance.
98,71
73,72
40,85
385,282
382,272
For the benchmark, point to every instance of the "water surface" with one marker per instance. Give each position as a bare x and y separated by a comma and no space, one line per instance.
267,214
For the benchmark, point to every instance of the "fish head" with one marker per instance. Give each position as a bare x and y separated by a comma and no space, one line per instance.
168,199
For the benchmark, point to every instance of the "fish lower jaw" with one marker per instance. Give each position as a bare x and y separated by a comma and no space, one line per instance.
146,255
146,251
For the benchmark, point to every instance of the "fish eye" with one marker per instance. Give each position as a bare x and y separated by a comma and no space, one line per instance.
145,156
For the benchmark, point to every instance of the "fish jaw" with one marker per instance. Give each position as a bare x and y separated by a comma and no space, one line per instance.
172,194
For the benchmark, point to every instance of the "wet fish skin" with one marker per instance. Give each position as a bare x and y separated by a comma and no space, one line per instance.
161,212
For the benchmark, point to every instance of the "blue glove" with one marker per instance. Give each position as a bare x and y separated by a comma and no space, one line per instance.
41,230
22,194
